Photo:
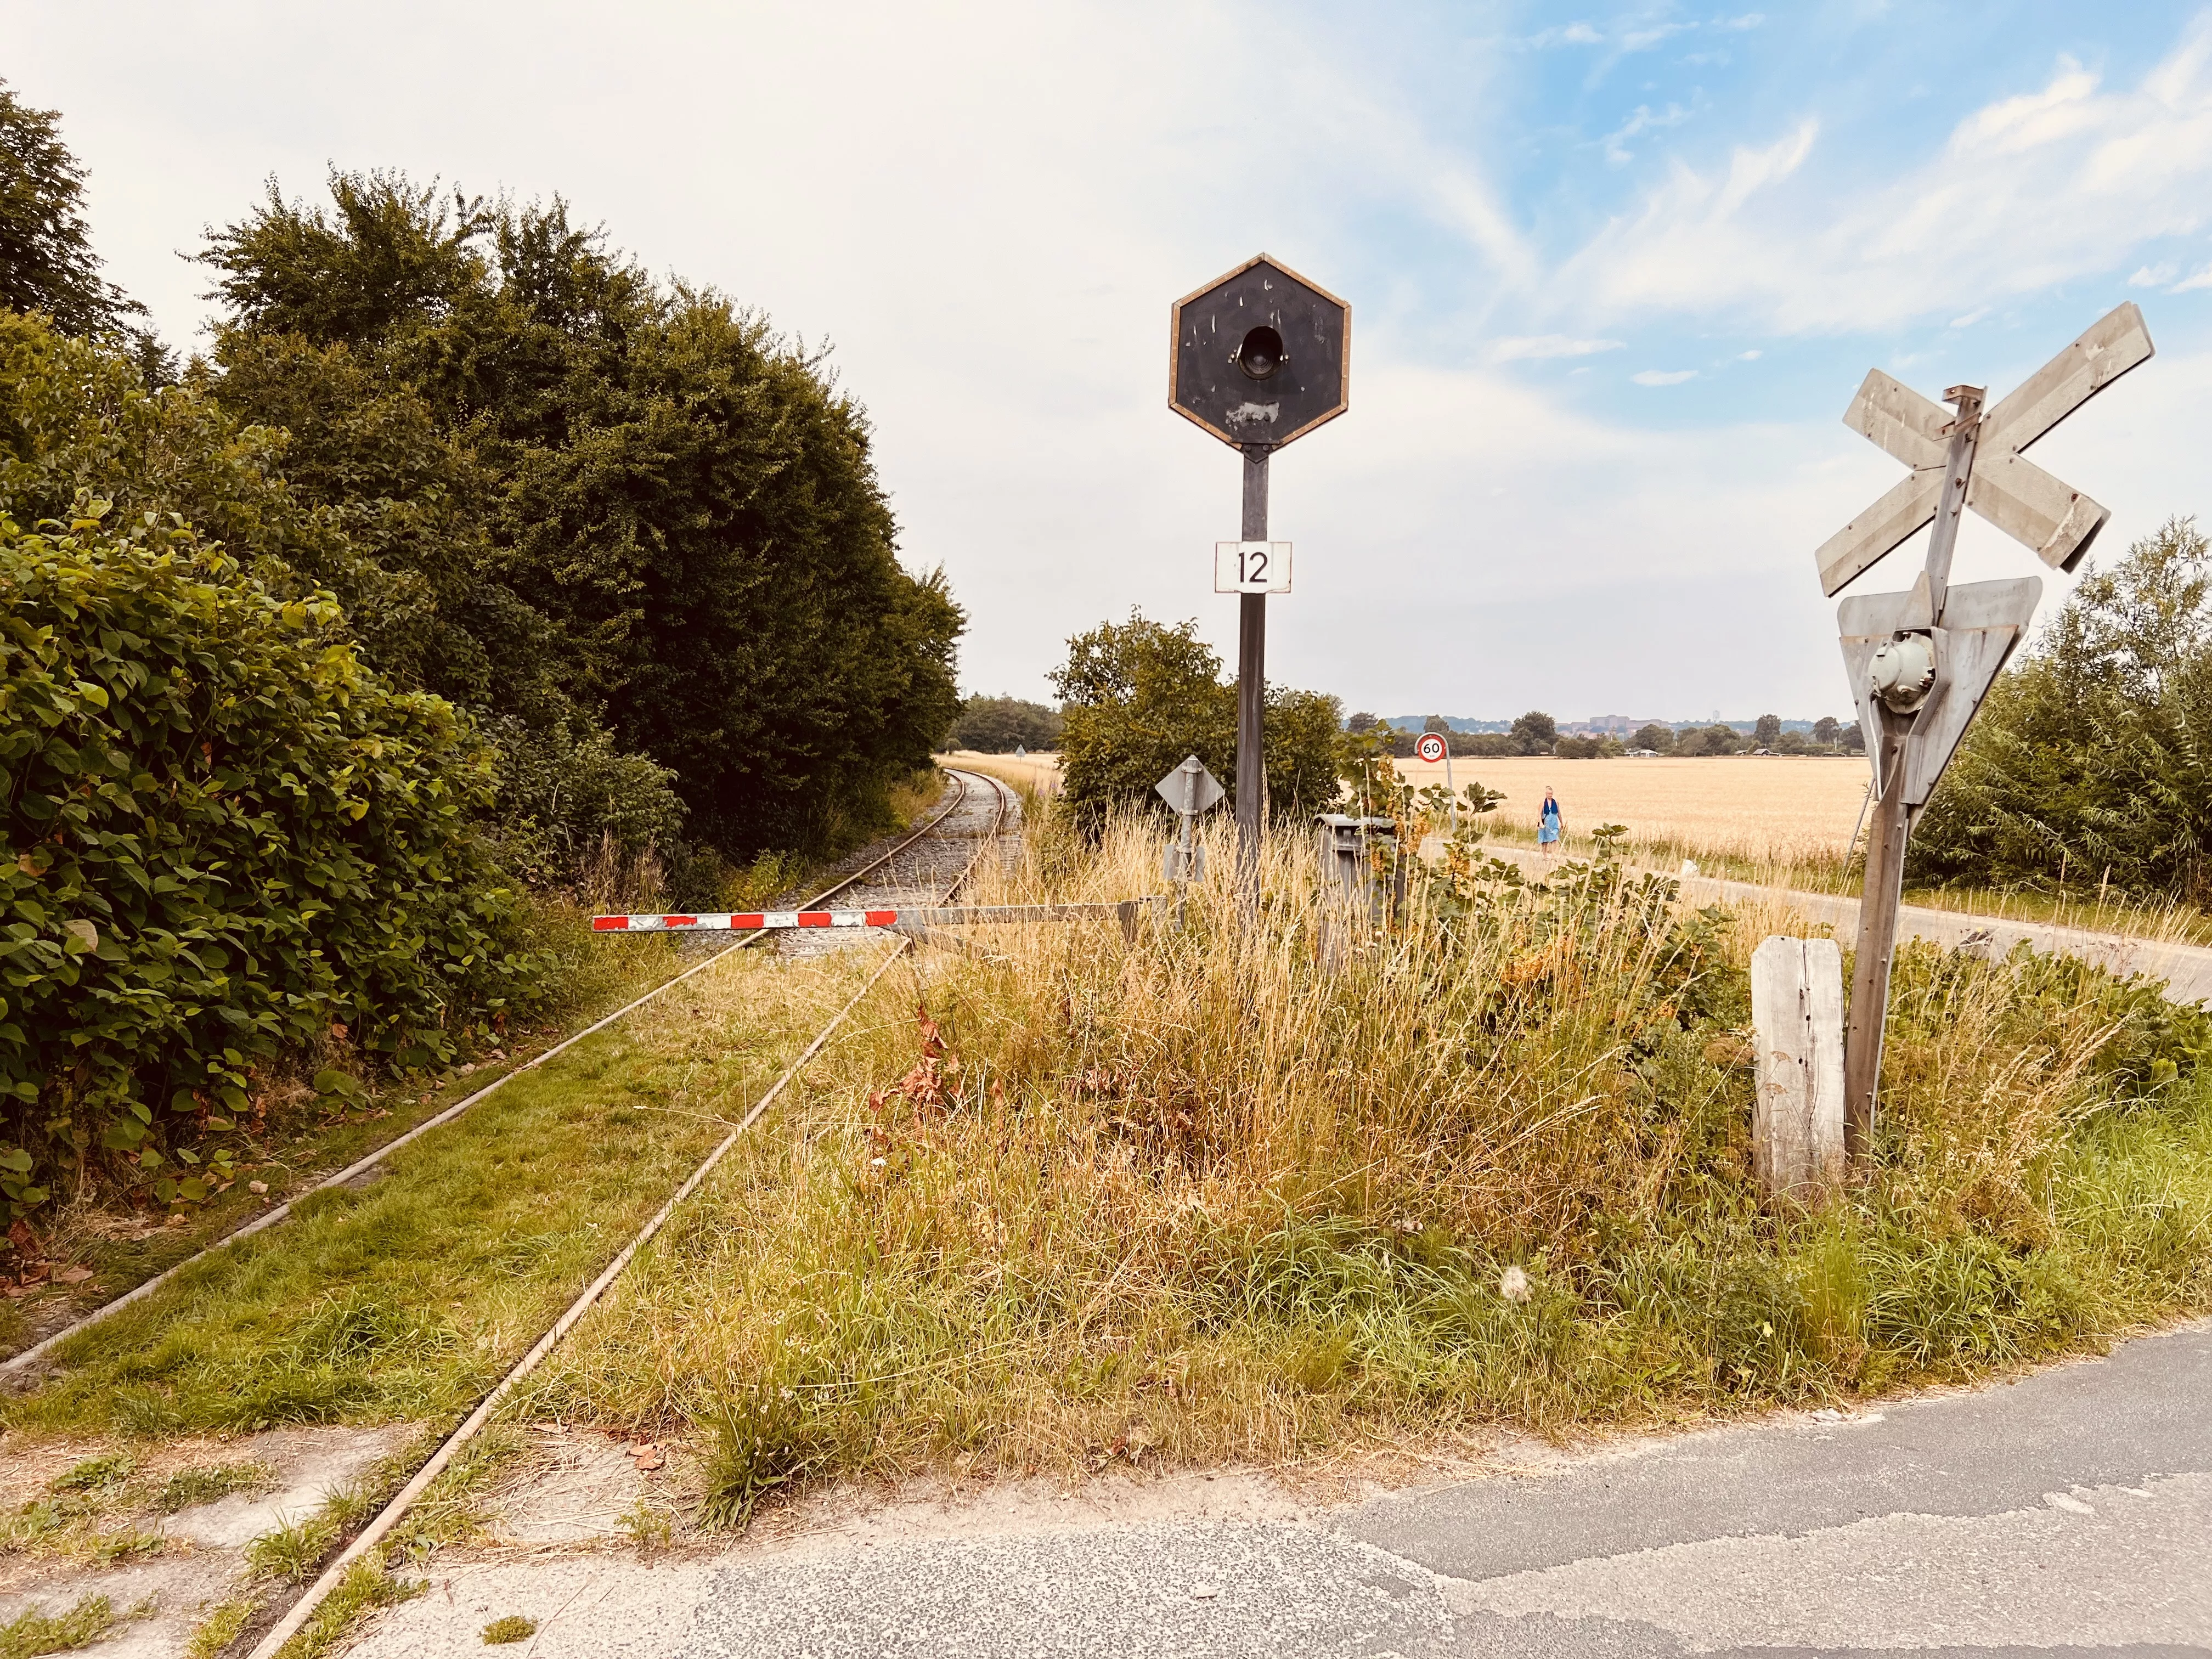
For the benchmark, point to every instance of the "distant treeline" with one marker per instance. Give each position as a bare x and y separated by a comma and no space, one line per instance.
999,725
1537,733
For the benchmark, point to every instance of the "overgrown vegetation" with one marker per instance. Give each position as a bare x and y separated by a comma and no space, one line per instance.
405,1299
473,560
1137,696
231,842
2090,765
1196,1199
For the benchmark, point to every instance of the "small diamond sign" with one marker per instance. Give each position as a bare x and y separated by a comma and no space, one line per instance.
1190,788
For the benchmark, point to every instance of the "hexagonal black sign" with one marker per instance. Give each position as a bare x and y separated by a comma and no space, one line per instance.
1261,356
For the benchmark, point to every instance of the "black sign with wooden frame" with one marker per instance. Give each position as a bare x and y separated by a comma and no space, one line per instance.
1260,356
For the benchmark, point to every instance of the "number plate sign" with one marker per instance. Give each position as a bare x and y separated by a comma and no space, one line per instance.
1430,748
1251,566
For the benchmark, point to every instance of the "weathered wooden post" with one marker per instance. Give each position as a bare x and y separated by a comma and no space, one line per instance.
1920,662
1260,357
1798,1023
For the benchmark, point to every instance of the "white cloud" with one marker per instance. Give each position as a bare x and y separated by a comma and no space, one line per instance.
2196,279
1750,356
2028,191
1972,317
1663,376
1644,120
1574,34
2155,276
1527,347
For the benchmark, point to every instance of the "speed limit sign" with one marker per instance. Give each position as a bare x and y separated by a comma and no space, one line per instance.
1430,748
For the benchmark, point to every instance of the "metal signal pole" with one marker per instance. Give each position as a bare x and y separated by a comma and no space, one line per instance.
1252,690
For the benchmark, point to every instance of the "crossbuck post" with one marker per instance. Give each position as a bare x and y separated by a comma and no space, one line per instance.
1895,737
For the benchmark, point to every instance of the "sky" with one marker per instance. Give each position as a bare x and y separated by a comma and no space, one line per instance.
1614,276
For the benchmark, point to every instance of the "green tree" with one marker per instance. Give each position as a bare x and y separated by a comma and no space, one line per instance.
1766,730
996,725
1826,729
77,419
616,502
1655,736
1138,697
2091,760
1535,732
47,261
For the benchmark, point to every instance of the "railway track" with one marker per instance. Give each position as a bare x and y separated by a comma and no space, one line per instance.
994,806
883,873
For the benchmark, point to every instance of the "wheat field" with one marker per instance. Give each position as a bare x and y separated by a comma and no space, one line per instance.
1781,808
1784,810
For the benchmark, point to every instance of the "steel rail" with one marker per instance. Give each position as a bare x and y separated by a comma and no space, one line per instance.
16,1363
390,1517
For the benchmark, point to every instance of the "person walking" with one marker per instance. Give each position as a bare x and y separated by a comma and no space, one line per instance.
1548,822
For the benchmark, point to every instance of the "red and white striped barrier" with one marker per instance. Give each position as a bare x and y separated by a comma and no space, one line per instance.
747,922
909,919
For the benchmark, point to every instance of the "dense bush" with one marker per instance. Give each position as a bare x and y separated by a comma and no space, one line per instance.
1138,697
230,841
75,418
2091,761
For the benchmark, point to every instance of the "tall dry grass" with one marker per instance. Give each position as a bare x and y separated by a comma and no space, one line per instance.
1066,1198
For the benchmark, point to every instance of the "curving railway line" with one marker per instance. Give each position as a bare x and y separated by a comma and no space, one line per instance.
935,862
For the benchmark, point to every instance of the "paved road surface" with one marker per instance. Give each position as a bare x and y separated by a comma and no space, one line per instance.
2067,1512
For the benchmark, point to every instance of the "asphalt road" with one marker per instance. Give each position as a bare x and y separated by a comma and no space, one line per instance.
2067,1513
2071,1510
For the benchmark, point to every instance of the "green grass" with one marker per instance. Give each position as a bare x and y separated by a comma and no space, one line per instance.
303,1148
513,1627
406,1299
220,1627
34,1631
188,1487
1194,1201
360,1593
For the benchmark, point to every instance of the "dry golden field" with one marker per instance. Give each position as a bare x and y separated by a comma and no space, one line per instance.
1040,773
1776,809
1783,808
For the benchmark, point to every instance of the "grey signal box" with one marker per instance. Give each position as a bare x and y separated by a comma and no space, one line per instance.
1260,356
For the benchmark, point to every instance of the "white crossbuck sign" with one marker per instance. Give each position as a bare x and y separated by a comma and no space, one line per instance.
2007,489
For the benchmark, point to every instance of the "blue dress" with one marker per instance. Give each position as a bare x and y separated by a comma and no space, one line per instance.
1547,824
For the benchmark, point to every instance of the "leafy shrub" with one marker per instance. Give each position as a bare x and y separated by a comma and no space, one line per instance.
566,798
1138,697
230,841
